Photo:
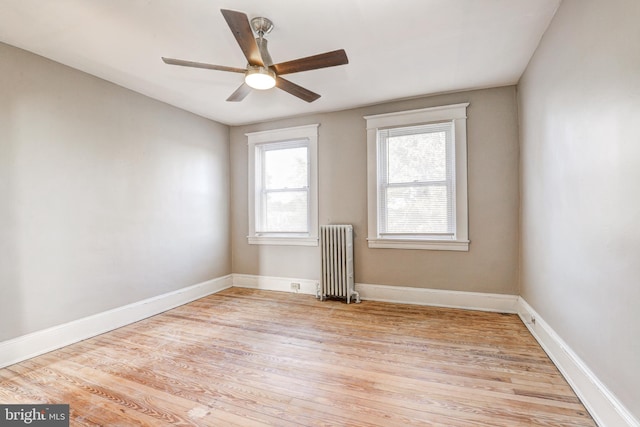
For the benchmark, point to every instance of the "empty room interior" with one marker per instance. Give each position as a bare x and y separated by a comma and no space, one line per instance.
428,215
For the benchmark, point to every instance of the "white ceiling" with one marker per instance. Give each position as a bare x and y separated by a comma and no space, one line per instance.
397,49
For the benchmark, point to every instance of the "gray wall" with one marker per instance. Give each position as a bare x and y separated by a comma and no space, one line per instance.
106,197
491,263
580,142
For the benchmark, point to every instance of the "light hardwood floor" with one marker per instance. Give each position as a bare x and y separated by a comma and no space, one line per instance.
251,358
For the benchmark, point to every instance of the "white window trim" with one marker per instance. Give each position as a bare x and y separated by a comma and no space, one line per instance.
456,113
310,133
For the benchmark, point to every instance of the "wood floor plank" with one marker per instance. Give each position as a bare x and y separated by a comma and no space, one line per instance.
245,357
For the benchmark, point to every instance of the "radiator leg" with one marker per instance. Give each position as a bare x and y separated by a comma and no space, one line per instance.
320,294
357,296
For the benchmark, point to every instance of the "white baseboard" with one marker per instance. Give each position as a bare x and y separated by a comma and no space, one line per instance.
398,294
269,283
603,406
40,342
435,297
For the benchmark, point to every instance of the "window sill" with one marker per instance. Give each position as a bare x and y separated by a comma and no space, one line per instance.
434,245
282,241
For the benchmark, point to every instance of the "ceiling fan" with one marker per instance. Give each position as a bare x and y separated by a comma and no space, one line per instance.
261,73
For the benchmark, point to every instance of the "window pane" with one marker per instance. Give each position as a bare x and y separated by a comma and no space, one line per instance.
285,168
420,210
286,212
417,158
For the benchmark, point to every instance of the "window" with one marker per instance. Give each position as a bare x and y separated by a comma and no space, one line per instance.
417,179
283,196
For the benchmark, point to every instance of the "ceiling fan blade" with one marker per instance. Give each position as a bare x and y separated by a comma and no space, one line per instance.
172,61
322,60
264,52
241,29
240,93
295,90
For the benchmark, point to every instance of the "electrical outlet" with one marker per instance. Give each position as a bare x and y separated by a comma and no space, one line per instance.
295,287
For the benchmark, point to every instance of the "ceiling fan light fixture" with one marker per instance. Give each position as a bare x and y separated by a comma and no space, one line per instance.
260,78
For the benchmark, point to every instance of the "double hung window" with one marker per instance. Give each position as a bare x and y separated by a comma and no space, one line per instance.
417,179
283,186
